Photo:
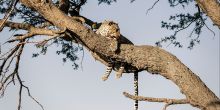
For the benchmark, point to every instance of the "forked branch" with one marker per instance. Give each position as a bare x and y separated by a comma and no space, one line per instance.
7,77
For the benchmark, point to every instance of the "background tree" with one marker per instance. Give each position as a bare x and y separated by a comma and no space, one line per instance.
69,52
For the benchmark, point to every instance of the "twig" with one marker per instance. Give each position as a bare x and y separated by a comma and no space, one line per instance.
166,105
34,32
3,89
175,33
5,60
81,62
29,94
6,69
190,35
16,51
4,54
132,1
204,21
17,75
152,6
13,4
20,81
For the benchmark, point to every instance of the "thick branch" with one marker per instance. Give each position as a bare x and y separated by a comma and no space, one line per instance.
14,25
212,9
152,59
32,31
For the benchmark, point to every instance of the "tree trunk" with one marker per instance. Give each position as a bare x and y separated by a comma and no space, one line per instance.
149,58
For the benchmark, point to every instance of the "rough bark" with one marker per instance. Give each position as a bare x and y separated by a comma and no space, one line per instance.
212,9
149,58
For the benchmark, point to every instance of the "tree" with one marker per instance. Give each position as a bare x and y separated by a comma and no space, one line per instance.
154,59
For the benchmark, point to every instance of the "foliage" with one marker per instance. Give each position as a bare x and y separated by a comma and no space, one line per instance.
106,1
29,15
32,17
36,25
68,51
184,21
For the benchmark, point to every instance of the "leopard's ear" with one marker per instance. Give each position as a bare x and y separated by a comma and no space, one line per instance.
110,23
105,22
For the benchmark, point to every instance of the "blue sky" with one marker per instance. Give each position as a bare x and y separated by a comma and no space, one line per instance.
57,86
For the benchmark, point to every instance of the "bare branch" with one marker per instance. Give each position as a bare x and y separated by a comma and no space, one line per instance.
7,68
29,94
150,99
31,34
132,1
166,105
21,82
163,100
211,8
6,80
6,59
16,73
13,4
8,52
152,6
4,88
199,11
33,31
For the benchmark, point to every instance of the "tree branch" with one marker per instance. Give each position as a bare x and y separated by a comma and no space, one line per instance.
151,99
152,6
13,4
32,31
6,80
212,9
149,58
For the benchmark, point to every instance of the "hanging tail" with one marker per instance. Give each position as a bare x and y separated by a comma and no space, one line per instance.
136,89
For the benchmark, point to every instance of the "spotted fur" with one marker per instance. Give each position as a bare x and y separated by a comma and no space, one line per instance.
136,90
111,30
